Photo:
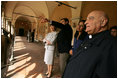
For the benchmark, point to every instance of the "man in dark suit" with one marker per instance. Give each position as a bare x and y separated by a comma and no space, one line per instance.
64,39
96,57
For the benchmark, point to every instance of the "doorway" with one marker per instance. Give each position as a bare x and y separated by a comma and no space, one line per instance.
21,31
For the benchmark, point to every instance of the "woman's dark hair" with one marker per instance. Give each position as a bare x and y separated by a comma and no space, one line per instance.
82,36
83,22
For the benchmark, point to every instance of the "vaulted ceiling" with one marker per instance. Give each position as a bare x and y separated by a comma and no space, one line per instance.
37,8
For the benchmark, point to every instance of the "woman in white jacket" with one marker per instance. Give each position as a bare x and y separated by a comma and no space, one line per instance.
50,41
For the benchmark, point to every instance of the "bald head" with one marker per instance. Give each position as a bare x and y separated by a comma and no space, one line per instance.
96,22
100,14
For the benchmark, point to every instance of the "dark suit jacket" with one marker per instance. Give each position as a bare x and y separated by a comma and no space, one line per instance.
96,57
64,37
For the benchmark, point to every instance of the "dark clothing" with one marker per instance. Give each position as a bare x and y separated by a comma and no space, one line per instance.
95,58
64,37
32,36
77,42
82,36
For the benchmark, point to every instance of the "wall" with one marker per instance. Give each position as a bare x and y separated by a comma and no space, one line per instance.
41,30
110,7
61,12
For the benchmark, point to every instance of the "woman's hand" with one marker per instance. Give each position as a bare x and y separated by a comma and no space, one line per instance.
48,42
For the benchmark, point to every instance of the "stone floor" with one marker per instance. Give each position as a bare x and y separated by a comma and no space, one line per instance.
29,62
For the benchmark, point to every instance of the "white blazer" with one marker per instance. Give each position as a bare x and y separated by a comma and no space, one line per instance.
51,37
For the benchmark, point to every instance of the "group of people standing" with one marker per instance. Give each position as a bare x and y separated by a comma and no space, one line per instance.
63,40
94,53
30,36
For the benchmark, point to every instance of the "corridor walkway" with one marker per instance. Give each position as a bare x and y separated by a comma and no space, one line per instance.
28,61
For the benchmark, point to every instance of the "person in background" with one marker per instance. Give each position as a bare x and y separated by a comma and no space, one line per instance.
50,41
33,35
97,56
29,35
114,31
79,37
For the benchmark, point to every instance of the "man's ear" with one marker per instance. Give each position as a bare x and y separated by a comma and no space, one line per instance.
103,22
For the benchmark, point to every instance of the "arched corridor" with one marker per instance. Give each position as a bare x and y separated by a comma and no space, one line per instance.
28,61
22,32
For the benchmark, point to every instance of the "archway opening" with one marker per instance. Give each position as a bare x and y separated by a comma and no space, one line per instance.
22,25
21,31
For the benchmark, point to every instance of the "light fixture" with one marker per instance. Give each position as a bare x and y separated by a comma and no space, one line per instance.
61,3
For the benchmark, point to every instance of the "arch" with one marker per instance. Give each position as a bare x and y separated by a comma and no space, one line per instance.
24,24
28,12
